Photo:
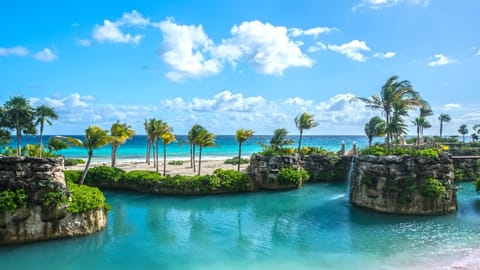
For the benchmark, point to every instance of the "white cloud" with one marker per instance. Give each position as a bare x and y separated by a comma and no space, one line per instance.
110,32
379,4
300,103
83,42
352,50
451,106
340,109
133,18
441,60
183,49
46,55
315,32
16,51
478,53
386,55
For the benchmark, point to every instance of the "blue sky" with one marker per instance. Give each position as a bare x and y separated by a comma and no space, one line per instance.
238,64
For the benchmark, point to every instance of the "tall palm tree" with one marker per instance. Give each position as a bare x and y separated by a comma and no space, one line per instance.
44,114
159,128
119,134
204,139
463,130
192,137
476,129
421,123
393,92
167,138
304,121
443,118
474,137
279,139
148,125
241,136
375,128
18,114
95,137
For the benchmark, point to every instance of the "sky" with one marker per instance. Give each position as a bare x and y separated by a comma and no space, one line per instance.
231,64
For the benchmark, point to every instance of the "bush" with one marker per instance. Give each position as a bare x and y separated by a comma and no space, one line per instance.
84,198
73,161
72,176
378,150
234,161
140,177
233,180
175,162
312,150
375,150
270,151
433,188
12,200
53,198
104,174
476,184
290,175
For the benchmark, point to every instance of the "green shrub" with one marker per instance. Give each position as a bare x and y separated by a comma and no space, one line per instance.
429,152
270,151
290,175
72,176
73,161
12,200
175,162
312,150
84,198
375,150
104,174
140,177
476,184
433,188
234,161
379,150
53,198
233,180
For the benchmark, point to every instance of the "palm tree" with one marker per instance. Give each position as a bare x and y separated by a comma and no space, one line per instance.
393,92
241,136
192,137
167,138
476,129
148,124
95,137
44,114
304,121
204,139
159,128
279,139
475,137
374,128
119,134
463,130
443,118
18,114
397,125
421,123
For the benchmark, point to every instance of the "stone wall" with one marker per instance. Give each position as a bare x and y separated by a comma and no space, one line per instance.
264,171
466,169
394,184
322,168
35,222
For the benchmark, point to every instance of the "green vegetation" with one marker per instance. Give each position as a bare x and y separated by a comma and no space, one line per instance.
378,150
241,135
53,198
104,174
374,128
291,175
312,150
175,162
44,114
476,184
302,122
444,118
119,134
463,130
73,161
85,198
432,188
11,200
235,161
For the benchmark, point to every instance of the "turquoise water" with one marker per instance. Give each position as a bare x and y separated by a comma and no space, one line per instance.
311,228
226,147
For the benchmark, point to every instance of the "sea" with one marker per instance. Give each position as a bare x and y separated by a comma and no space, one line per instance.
225,146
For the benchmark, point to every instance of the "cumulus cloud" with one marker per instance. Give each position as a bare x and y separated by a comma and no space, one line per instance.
451,106
15,51
46,55
352,50
315,31
441,60
110,32
478,53
133,18
83,42
386,55
380,4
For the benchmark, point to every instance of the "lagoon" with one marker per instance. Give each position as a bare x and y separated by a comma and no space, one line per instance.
311,228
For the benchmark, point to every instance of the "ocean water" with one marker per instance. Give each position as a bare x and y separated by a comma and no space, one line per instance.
311,228
226,147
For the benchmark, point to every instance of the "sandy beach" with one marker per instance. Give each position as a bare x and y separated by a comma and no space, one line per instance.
208,167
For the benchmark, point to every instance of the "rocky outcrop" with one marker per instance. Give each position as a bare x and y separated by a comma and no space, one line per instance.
466,169
326,168
264,171
404,185
40,216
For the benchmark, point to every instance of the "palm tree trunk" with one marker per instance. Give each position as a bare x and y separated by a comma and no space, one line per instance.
418,135
156,155
370,141
147,160
387,118
114,154
199,159
441,128
193,156
41,139
300,140
84,174
164,158
19,134
239,155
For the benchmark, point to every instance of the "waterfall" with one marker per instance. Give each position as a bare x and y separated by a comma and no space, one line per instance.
349,176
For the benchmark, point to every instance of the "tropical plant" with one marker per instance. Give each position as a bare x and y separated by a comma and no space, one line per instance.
302,122
119,134
279,139
421,123
444,118
374,128
148,125
204,139
241,135
476,129
192,137
56,144
18,114
463,130
474,137
167,138
394,95
5,137
44,114
159,128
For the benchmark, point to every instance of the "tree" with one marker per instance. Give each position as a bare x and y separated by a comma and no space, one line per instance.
463,130
279,139
443,118
159,128
18,114
56,144
476,129
474,137
375,128
148,124
5,137
204,139
393,93
95,137
44,114
421,123
119,134
304,121
192,137
241,136
167,138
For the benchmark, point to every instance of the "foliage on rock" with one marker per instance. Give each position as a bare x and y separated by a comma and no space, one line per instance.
11,200
292,175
